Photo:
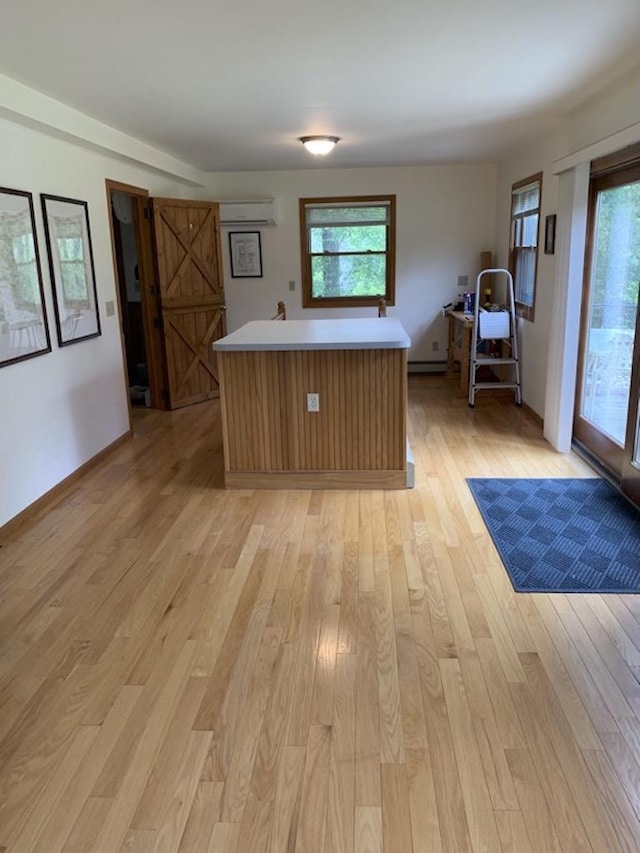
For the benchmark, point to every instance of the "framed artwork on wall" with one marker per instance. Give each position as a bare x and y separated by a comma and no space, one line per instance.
550,234
24,331
246,254
73,279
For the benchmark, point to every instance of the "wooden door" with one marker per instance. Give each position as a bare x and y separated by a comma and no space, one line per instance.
187,241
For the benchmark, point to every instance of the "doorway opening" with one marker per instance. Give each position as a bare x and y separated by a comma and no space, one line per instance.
167,260
128,269
137,297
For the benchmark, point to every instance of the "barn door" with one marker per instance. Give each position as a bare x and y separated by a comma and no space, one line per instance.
187,241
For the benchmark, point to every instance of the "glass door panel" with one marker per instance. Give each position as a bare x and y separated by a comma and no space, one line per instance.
609,320
630,480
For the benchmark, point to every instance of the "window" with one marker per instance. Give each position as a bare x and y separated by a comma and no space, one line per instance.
348,250
523,259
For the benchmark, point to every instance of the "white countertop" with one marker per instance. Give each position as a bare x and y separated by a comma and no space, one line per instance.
364,333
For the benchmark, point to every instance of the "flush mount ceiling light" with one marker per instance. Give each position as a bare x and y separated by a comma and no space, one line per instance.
319,145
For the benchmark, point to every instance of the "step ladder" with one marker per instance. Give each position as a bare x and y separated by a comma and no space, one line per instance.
494,326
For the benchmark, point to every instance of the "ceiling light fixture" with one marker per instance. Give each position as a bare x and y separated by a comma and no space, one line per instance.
319,145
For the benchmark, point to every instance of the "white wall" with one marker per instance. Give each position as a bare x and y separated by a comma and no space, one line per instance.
445,218
60,409
533,336
612,110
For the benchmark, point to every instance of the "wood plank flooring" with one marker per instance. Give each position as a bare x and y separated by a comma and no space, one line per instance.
187,669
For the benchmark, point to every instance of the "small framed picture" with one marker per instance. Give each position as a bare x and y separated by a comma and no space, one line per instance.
550,234
246,254
24,332
73,278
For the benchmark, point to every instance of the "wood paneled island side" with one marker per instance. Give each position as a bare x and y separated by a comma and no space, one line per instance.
357,438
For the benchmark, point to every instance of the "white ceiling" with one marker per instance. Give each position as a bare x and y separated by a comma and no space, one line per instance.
230,84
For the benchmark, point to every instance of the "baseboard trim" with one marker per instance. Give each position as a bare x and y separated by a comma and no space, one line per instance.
316,479
598,466
58,491
534,416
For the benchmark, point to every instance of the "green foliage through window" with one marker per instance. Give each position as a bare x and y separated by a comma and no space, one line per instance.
347,249
617,258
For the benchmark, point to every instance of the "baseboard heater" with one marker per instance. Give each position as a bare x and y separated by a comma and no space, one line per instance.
427,367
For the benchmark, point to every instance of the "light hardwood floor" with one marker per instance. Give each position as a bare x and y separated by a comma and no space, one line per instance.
188,669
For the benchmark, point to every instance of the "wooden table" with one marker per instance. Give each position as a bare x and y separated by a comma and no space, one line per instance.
459,346
358,436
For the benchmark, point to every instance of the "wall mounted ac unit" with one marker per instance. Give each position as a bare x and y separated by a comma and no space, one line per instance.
251,213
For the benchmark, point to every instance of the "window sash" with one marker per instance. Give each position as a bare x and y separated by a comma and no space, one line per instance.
525,269
368,253
526,199
525,231
347,223
337,207
369,279
349,239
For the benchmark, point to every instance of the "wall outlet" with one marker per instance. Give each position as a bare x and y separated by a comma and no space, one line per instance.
463,281
435,346
292,285
313,402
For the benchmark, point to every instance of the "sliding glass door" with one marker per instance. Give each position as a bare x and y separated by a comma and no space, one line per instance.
607,391
631,463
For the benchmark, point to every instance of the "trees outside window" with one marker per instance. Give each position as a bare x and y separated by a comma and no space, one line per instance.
348,250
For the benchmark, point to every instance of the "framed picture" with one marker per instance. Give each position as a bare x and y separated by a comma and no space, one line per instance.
73,279
24,332
550,234
246,254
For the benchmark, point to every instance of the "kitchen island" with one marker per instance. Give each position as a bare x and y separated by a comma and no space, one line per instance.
315,404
